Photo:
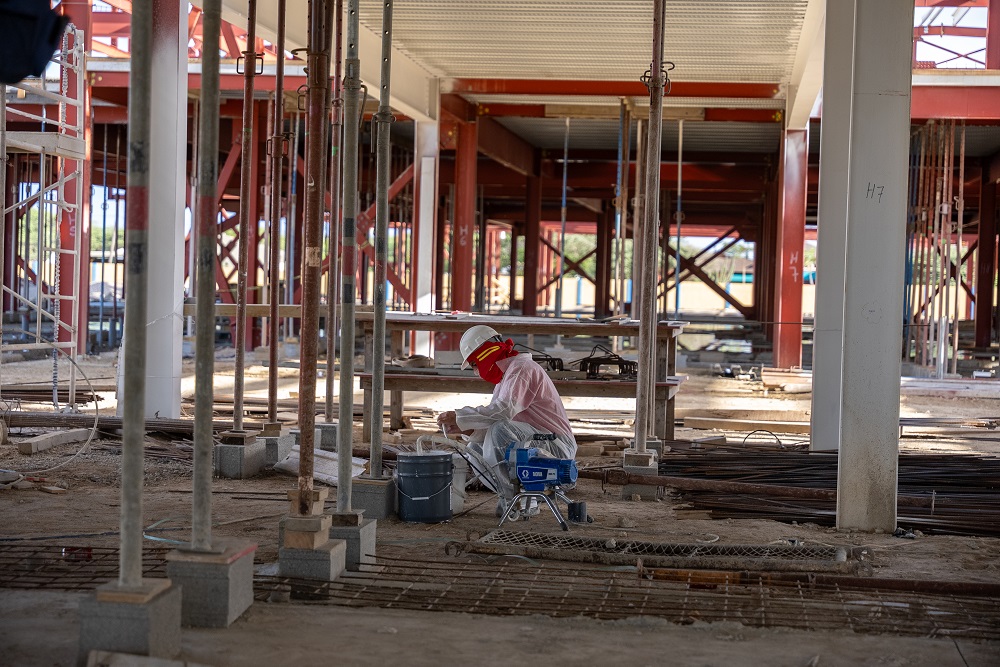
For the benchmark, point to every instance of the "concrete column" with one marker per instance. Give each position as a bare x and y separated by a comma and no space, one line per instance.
791,231
863,189
166,209
426,159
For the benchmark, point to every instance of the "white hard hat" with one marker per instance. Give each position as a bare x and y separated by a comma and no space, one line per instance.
473,338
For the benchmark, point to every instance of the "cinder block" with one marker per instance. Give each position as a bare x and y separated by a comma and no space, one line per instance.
317,501
377,497
324,563
151,628
217,588
239,461
276,448
360,543
326,436
644,491
633,457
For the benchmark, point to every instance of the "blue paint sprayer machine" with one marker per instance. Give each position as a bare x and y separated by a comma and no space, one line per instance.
541,478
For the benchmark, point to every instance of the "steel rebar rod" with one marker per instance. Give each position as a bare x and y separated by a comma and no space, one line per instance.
349,262
246,193
207,249
647,325
384,118
318,64
137,278
274,223
680,183
333,270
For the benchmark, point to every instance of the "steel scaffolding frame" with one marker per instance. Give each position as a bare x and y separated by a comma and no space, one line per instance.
58,158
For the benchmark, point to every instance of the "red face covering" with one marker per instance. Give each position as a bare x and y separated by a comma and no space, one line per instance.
486,357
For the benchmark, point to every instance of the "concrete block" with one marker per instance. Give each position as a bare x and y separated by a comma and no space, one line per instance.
360,543
49,440
324,563
109,659
217,588
655,445
377,497
326,436
239,461
644,491
276,448
150,627
633,457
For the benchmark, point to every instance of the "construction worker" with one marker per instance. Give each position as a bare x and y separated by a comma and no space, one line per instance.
524,403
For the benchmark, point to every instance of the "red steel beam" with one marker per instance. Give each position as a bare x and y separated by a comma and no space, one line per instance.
532,224
986,263
790,246
947,31
993,35
609,88
503,146
959,102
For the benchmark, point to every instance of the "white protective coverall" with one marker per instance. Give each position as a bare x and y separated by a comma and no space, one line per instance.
523,404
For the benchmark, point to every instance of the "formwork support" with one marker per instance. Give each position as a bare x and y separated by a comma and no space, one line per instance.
136,278
864,148
206,250
336,193
317,125
650,230
383,119
792,186
247,193
277,148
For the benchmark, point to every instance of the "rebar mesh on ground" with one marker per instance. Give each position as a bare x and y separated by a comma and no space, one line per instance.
522,588
611,551
68,568
519,587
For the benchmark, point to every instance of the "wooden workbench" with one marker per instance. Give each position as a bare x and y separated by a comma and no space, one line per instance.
398,323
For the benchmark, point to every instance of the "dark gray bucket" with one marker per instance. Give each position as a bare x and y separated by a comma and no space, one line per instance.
424,485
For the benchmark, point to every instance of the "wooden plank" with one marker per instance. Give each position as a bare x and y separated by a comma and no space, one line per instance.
746,425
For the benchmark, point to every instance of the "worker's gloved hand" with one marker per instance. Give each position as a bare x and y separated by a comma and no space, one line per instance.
448,419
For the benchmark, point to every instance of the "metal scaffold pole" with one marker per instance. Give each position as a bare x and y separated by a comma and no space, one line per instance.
562,226
333,270
206,249
383,118
274,224
246,187
136,277
318,64
647,326
349,245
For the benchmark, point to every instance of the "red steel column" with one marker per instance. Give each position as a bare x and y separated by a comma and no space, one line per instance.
77,220
792,184
993,35
532,223
986,262
463,248
9,225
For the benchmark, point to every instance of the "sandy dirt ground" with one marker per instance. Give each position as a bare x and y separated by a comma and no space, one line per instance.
88,513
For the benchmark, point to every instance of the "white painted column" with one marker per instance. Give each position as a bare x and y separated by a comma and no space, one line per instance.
426,157
862,224
166,209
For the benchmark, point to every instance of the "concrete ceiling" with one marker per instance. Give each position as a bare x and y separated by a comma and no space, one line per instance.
437,42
